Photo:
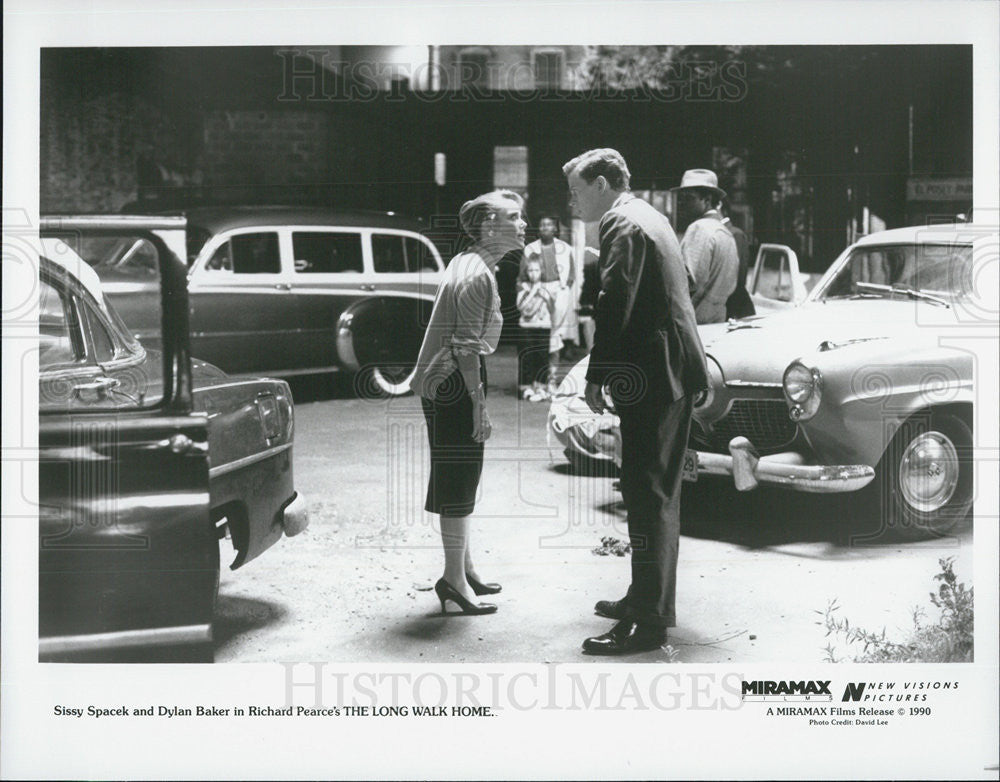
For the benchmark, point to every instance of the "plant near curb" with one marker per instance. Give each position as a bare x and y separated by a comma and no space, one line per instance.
950,639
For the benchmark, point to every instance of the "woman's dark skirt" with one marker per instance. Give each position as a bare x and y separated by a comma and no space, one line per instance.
456,459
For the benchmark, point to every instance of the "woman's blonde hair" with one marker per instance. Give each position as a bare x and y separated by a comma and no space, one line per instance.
484,208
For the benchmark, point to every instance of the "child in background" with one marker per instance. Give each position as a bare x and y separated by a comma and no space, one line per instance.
535,303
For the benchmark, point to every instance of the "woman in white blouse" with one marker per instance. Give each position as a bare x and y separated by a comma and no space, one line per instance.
450,378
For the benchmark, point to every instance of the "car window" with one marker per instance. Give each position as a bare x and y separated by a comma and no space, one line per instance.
255,253
195,239
55,328
221,260
774,280
388,253
104,346
327,252
419,257
393,253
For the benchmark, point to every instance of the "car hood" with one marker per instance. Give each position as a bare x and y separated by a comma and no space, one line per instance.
757,350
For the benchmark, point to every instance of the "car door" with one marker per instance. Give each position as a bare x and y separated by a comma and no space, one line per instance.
775,282
242,315
329,283
128,556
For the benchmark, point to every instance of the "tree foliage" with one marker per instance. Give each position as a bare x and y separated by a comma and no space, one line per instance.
655,67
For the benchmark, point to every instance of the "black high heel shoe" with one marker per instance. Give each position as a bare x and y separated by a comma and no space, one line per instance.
446,591
482,589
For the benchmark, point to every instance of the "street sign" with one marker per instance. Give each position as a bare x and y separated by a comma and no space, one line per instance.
934,189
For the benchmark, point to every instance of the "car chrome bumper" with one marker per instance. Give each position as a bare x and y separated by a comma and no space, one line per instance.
295,517
53,646
783,469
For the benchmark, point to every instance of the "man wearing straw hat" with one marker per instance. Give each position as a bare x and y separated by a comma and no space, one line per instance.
707,245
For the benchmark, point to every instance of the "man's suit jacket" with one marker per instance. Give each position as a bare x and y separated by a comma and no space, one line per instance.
644,315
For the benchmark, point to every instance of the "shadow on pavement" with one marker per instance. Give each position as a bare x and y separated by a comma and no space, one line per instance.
236,615
435,626
713,509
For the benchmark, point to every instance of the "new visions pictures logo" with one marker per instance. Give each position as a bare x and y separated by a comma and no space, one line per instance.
894,691
763,690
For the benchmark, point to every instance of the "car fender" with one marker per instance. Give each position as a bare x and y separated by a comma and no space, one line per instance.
354,324
871,388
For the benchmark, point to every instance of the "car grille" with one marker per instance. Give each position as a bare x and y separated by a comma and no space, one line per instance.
764,421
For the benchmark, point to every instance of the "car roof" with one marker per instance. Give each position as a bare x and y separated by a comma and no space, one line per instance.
951,233
223,218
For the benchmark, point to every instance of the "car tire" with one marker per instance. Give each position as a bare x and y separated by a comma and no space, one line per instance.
923,484
384,382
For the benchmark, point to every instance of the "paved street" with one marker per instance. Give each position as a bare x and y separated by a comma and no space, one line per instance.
356,586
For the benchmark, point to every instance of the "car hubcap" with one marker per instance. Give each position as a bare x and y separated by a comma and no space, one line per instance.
928,472
394,379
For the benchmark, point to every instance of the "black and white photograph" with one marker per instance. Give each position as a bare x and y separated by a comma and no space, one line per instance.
504,376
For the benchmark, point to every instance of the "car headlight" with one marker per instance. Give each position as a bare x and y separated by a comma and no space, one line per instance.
803,388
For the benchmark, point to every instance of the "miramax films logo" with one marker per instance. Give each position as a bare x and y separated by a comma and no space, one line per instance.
803,690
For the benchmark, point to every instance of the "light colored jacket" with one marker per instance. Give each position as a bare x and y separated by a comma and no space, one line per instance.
466,319
711,257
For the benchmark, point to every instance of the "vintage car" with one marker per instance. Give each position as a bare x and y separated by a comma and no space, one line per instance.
855,388
147,460
279,290
774,283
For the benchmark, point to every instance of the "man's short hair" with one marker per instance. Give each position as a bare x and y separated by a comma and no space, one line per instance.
607,163
477,211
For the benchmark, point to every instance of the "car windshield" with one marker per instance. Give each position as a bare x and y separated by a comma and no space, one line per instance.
196,238
134,256
931,271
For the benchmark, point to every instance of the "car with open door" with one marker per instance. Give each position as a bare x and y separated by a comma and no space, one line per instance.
855,389
148,459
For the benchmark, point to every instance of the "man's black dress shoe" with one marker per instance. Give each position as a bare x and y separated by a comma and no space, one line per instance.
612,609
626,637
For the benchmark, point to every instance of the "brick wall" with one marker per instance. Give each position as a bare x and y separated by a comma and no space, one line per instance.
265,149
92,141
87,153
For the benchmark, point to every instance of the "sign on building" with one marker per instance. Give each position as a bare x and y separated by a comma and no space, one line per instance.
920,188
510,168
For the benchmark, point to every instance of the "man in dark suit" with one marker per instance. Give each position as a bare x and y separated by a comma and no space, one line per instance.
648,354
739,304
